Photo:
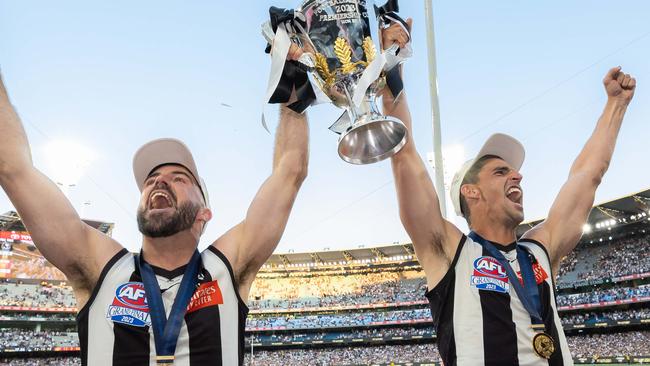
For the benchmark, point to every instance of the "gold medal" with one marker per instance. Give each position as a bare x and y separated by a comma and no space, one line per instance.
543,345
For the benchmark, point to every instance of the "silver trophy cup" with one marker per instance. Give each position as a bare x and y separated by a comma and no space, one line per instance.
336,37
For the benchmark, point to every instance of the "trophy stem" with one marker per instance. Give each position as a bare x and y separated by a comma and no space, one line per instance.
351,108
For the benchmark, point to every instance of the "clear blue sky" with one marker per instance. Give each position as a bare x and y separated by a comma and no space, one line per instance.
113,75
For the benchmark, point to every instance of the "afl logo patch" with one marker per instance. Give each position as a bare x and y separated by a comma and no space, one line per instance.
489,266
129,305
489,275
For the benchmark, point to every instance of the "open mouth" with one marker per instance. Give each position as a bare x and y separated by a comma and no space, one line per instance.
514,194
160,200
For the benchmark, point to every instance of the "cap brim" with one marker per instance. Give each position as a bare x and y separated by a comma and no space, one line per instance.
160,152
506,147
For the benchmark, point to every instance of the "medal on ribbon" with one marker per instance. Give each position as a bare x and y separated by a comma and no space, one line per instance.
166,330
543,345
528,294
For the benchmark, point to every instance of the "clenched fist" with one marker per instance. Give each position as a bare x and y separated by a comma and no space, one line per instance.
619,85
395,33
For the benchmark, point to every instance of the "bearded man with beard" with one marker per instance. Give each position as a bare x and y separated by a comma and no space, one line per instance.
168,304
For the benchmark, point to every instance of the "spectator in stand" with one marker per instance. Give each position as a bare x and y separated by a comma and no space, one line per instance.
621,293
597,317
616,344
346,355
12,340
46,296
51,361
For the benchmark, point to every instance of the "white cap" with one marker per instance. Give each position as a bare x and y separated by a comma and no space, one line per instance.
165,151
506,147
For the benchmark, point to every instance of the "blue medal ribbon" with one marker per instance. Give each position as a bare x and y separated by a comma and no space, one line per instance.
166,330
528,293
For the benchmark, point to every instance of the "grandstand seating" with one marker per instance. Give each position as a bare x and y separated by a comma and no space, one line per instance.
317,314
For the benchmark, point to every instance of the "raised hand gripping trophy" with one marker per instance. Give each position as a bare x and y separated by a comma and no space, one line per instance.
340,65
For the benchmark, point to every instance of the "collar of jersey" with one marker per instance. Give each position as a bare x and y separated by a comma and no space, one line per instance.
170,275
505,248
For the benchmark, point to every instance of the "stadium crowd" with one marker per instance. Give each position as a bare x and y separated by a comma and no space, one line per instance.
346,355
334,290
35,267
23,340
37,317
46,296
369,286
358,287
602,261
364,333
612,344
617,259
598,345
51,361
337,320
603,316
596,296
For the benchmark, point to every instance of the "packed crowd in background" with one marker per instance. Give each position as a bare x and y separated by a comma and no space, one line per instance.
311,290
37,317
337,320
408,290
23,340
617,259
36,267
595,345
14,294
363,333
374,286
346,355
605,316
610,344
596,296
49,361
334,290
601,261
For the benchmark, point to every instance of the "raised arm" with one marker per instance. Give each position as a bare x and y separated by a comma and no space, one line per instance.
78,250
435,239
562,229
249,244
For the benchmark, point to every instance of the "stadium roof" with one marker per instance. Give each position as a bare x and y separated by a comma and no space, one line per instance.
631,209
624,210
10,221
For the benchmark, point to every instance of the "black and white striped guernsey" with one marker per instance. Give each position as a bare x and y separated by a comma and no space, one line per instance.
114,326
478,317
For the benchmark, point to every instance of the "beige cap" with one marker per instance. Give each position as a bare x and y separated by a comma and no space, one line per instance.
506,147
165,151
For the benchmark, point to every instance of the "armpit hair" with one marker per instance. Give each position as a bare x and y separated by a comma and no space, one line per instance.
437,245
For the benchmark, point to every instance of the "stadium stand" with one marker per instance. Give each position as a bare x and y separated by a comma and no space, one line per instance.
360,306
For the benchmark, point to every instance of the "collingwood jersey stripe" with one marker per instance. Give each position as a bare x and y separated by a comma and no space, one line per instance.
114,326
130,344
499,332
82,315
478,317
211,352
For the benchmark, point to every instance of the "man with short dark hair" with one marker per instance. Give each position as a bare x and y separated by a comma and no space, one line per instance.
491,296
169,303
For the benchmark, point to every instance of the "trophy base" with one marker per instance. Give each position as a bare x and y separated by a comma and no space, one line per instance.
372,138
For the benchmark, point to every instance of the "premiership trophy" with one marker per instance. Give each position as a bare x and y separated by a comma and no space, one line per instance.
340,65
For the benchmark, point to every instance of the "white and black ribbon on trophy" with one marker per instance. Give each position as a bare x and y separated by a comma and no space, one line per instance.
287,75
387,14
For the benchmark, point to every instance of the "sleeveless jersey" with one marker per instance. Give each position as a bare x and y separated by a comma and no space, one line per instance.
115,325
478,317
